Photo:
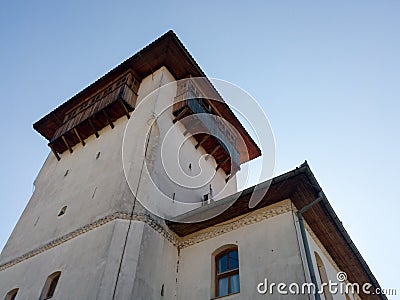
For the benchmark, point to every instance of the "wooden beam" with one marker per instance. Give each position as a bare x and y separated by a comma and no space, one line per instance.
180,115
93,128
125,109
214,150
108,119
54,151
220,164
205,138
79,137
66,144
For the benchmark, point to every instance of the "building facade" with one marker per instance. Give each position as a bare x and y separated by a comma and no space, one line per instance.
106,221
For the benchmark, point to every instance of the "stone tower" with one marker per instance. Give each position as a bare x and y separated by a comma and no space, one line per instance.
137,200
94,226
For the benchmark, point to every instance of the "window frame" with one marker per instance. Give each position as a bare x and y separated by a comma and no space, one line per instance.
11,295
51,284
227,274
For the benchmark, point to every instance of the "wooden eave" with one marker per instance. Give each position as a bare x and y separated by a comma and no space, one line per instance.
166,51
301,187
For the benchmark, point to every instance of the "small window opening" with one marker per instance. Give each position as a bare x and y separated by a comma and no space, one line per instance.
11,295
66,173
50,286
94,192
98,155
190,167
205,199
62,211
208,198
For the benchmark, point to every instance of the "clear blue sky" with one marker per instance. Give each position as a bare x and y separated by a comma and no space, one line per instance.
326,73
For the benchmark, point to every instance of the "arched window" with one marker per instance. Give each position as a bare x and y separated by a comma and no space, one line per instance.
50,286
323,276
227,272
12,294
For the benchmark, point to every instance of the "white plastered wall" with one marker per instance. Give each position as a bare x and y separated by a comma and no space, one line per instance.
88,265
166,174
331,269
93,186
267,249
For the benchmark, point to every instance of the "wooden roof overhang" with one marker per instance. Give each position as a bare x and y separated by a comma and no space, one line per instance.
195,108
166,51
302,188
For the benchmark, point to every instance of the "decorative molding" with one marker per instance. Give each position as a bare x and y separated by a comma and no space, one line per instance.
84,229
219,229
211,232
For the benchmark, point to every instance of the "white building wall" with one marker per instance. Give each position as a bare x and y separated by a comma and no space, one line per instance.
91,263
147,266
156,268
82,261
330,268
93,186
268,249
166,172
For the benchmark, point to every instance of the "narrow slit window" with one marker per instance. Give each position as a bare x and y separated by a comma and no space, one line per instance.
62,211
11,295
50,286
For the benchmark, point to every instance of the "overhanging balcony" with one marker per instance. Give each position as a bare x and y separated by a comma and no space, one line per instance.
93,115
215,135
